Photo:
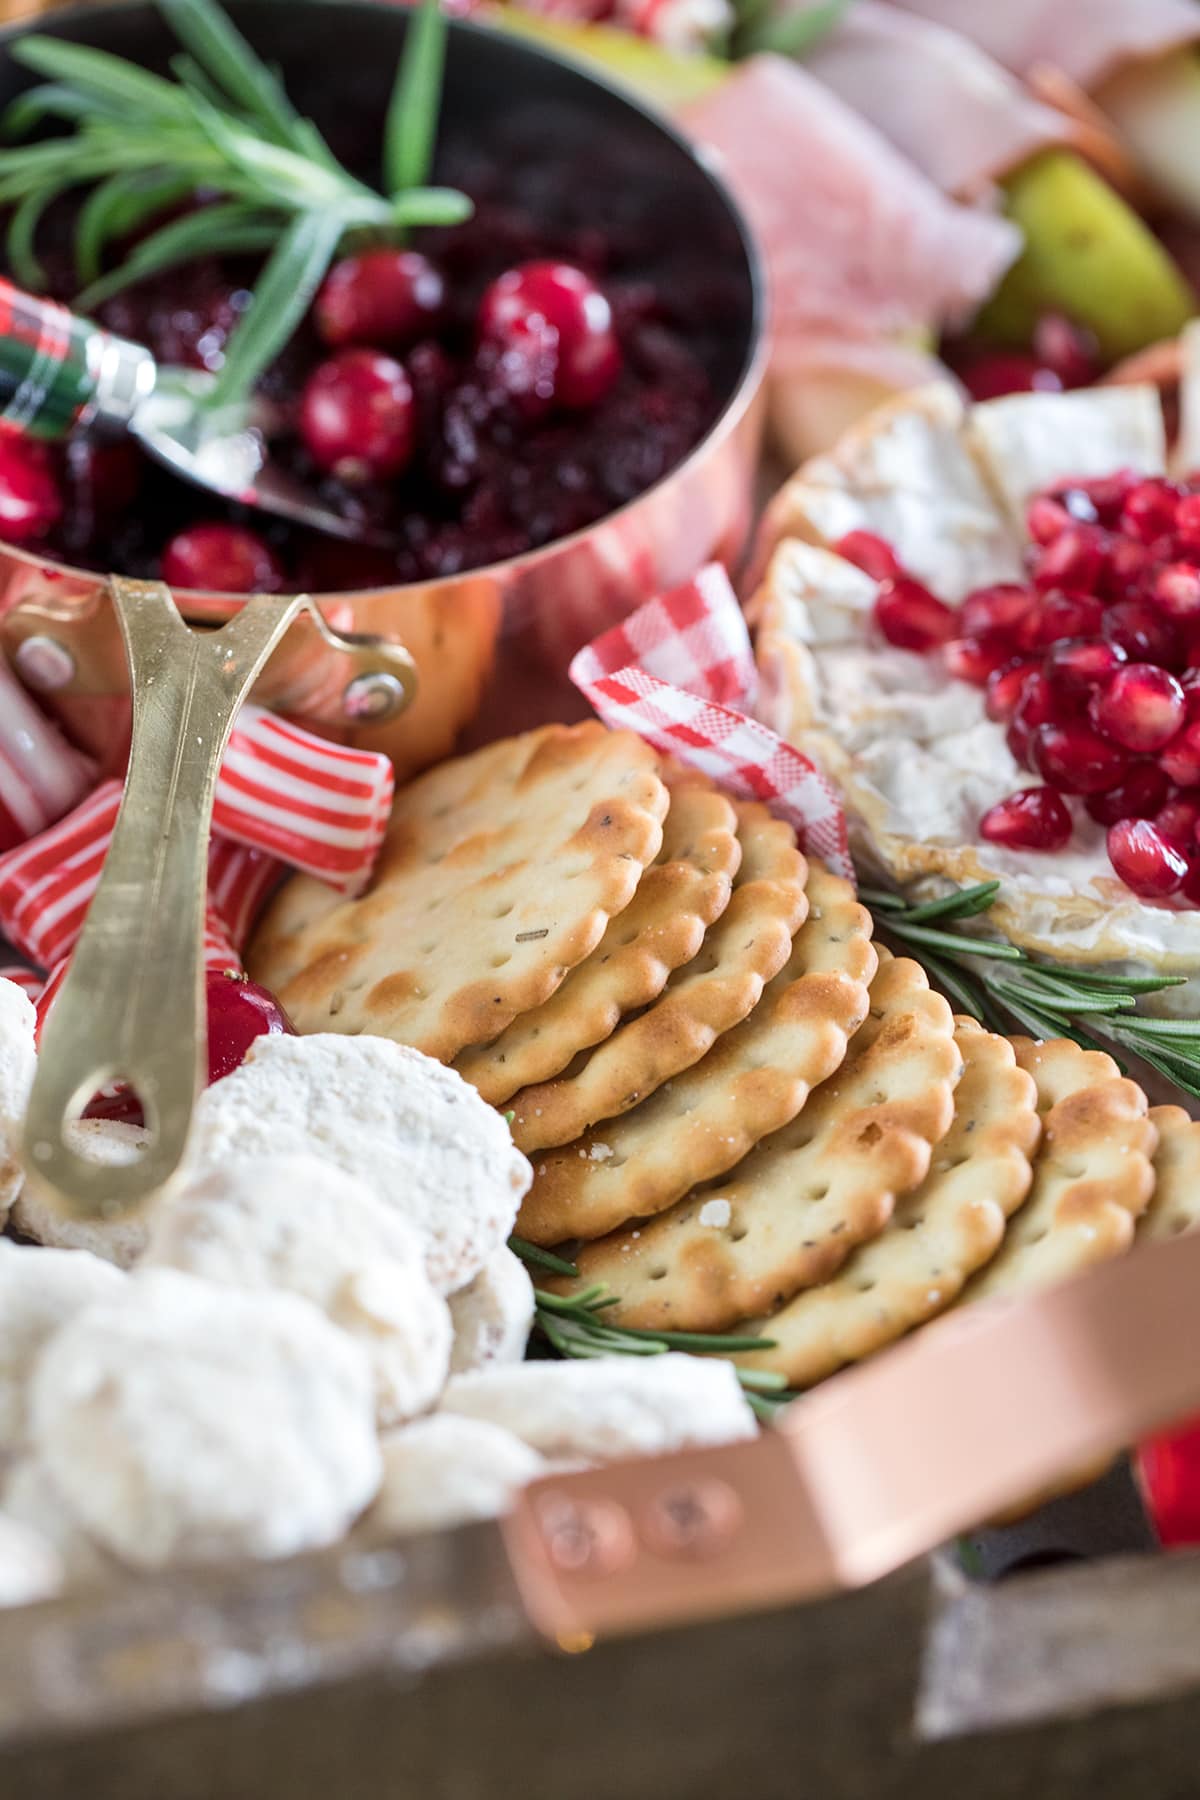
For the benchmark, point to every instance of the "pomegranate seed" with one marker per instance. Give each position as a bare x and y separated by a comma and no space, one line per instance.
239,1010
1177,591
1000,372
1148,511
1004,690
1046,518
30,501
1078,665
976,659
1142,632
1129,567
1168,1471
912,618
1144,859
1191,881
384,297
1141,707
1177,818
1036,818
1181,758
221,559
357,415
1035,707
1139,796
1061,616
1076,759
1187,522
555,298
1066,349
1190,683
995,611
1074,560
873,555
1107,493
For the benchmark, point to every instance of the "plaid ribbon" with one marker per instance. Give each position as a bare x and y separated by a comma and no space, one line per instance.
677,672
49,364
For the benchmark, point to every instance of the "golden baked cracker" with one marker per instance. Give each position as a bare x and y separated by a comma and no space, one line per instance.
792,1211
753,1080
749,944
1092,1175
683,891
500,872
1175,1204
937,1236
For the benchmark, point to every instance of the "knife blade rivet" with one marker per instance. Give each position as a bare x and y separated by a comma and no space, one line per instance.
693,1520
586,1537
44,664
371,698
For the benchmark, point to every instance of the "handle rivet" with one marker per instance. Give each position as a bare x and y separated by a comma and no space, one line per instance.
586,1537
696,1519
44,664
371,698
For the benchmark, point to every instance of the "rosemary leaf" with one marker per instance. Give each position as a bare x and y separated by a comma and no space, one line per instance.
50,100
224,54
987,949
22,232
430,206
108,81
790,33
416,99
115,208
233,229
964,904
285,289
539,1258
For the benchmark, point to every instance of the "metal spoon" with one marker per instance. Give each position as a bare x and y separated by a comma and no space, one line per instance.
59,373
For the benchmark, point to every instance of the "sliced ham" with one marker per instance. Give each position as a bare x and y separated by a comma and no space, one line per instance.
1088,39
953,111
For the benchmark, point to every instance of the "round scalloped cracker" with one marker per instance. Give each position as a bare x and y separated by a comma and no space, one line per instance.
1175,1204
792,1211
749,944
1092,1176
753,1080
499,873
937,1236
681,894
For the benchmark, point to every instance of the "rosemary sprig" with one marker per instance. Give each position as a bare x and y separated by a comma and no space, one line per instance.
784,31
223,124
1097,1009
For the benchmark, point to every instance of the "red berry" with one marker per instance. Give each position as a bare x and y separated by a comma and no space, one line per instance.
1077,759
1139,796
1187,522
1142,632
1060,616
1177,591
221,559
1181,758
1148,511
1004,690
1168,1470
995,611
1036,818
1141,707
1066,349
999,372
1045,518
1078,665
357,416
873,555
383,297
1074,560
238,1012
976,659
912,618
1144,859
560,303
1177,818
30,502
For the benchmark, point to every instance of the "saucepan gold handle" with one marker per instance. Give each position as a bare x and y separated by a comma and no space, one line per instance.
132,1005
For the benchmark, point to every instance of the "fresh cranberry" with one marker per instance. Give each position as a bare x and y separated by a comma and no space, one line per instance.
1036,818
1187,523
383,297
1139,796
116,1101
560,299
1176,819
1140,707
1004,689
912,618
1074,559
995,611
357,416
221,559
1059,616
1168,1470
1181,758
239,1010
872,554
1066,349
999,372
976,659
1077,665
30,502
1142,632
1177,591
1144,859
1148,511
1077,759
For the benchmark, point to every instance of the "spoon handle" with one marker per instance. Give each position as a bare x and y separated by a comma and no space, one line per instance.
58,372
132,1005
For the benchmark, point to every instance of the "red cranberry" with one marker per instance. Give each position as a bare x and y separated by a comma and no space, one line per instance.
1177,591
912,618
1045,518
1144,859
1060,616
1139,796
1187,523
1077,759
1177,819
873,555
238,1012
1078,665
357,416
1066,349
1168,1470
1141,707
1036,818
976,659
1000,372
1148,511
1004,690
1074,560
30,502
555,296
221,559
1142,632
995,611
383,297
1181,758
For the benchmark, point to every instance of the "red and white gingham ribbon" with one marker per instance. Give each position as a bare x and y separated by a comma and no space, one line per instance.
321,807
239,881
676,672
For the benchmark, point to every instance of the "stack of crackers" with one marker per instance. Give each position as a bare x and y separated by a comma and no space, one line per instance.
742,1114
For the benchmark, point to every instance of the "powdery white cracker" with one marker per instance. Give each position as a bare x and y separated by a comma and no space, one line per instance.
120,1240
1175,1204
445,1471
608,1407
492,1316
295,1223
18,1061
39,1291
194,1423
1027,442
412,1131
